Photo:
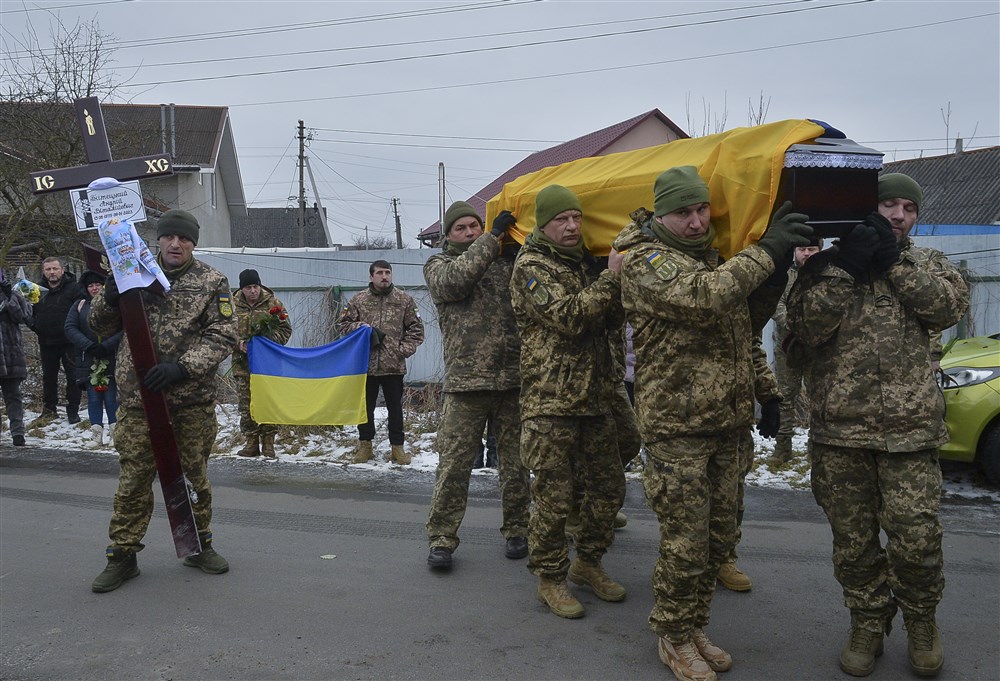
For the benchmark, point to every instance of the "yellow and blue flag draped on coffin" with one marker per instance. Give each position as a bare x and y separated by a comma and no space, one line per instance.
741,166
322,386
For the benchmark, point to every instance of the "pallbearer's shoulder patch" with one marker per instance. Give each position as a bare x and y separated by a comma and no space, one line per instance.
662,266
537,291
225,305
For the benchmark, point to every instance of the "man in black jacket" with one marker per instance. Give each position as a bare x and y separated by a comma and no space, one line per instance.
60,289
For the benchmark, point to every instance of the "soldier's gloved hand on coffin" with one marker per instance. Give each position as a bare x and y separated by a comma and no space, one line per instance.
502,223
111,294
887,252
786,231
770,418
856,250
164,375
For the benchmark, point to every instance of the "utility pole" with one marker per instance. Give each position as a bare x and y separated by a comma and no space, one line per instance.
302,184
399,228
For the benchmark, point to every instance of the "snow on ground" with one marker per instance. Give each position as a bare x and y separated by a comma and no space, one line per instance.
332,446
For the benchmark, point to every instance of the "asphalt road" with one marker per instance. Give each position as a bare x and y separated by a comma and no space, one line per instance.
288,610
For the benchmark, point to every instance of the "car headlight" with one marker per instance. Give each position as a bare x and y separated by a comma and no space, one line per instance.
963,377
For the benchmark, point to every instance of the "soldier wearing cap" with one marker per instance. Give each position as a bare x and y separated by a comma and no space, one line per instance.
862,314
470,285
258,313
694,319
565,312
193,330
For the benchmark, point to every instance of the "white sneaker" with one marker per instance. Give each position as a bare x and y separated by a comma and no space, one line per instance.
111,435
98,435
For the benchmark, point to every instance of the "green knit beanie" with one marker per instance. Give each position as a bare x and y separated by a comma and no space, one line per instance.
899,186
553,200
457,211
180,223
678,187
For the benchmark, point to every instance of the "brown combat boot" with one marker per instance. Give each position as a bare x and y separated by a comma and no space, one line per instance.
363,454
734,578
685,661
717,658
399,455
924,646
593,574
782,451
556,595
250,448
267,446
858,655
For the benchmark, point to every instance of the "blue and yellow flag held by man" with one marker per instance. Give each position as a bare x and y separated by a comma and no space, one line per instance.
323,386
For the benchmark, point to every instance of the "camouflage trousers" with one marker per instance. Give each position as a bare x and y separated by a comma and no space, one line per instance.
195,428
460,443
790,387
863,491
561,450
241,376
744,458
691,484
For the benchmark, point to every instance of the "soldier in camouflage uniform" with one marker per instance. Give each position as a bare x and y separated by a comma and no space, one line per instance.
565,313
862,314
470,285
397,332
694,319
258,313
193,330
789,377
765,390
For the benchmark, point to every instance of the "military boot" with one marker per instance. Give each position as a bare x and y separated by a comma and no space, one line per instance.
858,655
734,578
621,520
250,448
399,455
782,451
363,454
556,595
685,661
208,560
924,646
267,446
121,565
593,574
717,658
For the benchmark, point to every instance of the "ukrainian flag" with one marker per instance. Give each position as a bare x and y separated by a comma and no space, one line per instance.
322,386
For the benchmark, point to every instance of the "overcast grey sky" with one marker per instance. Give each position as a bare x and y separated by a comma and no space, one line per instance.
390,89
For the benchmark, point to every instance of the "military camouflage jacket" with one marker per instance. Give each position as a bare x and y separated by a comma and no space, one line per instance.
482,349
694,321
867,350
765,384
564,315
192,325
248,316
393,313
780,316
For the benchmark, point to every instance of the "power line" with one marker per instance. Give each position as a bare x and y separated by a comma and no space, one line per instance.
442,137
496,48
590,72
25,10
346,180
425,146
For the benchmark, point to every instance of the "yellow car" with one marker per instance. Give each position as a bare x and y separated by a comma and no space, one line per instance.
970,379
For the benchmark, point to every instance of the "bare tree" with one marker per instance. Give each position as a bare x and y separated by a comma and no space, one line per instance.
711,122
38,129
757,113
375,243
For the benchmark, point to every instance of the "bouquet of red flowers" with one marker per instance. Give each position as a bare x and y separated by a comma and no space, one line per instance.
266,324
99,375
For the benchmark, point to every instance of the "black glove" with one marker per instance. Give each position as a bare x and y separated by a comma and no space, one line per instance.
376,338
502,223
164,375
510,250
98,351
856,250
888,247
6,287
770,418
787,231
111,294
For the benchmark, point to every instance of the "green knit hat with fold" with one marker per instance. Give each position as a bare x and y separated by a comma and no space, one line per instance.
553,200
899,186
180,223
457,211
678,187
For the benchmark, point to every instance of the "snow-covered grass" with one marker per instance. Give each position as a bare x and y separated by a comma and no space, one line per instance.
334,446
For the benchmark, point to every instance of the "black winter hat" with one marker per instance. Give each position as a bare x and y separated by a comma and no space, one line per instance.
91,277
249,278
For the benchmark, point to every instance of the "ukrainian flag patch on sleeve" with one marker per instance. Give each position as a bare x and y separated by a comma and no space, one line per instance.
537,291
225,305
662,267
